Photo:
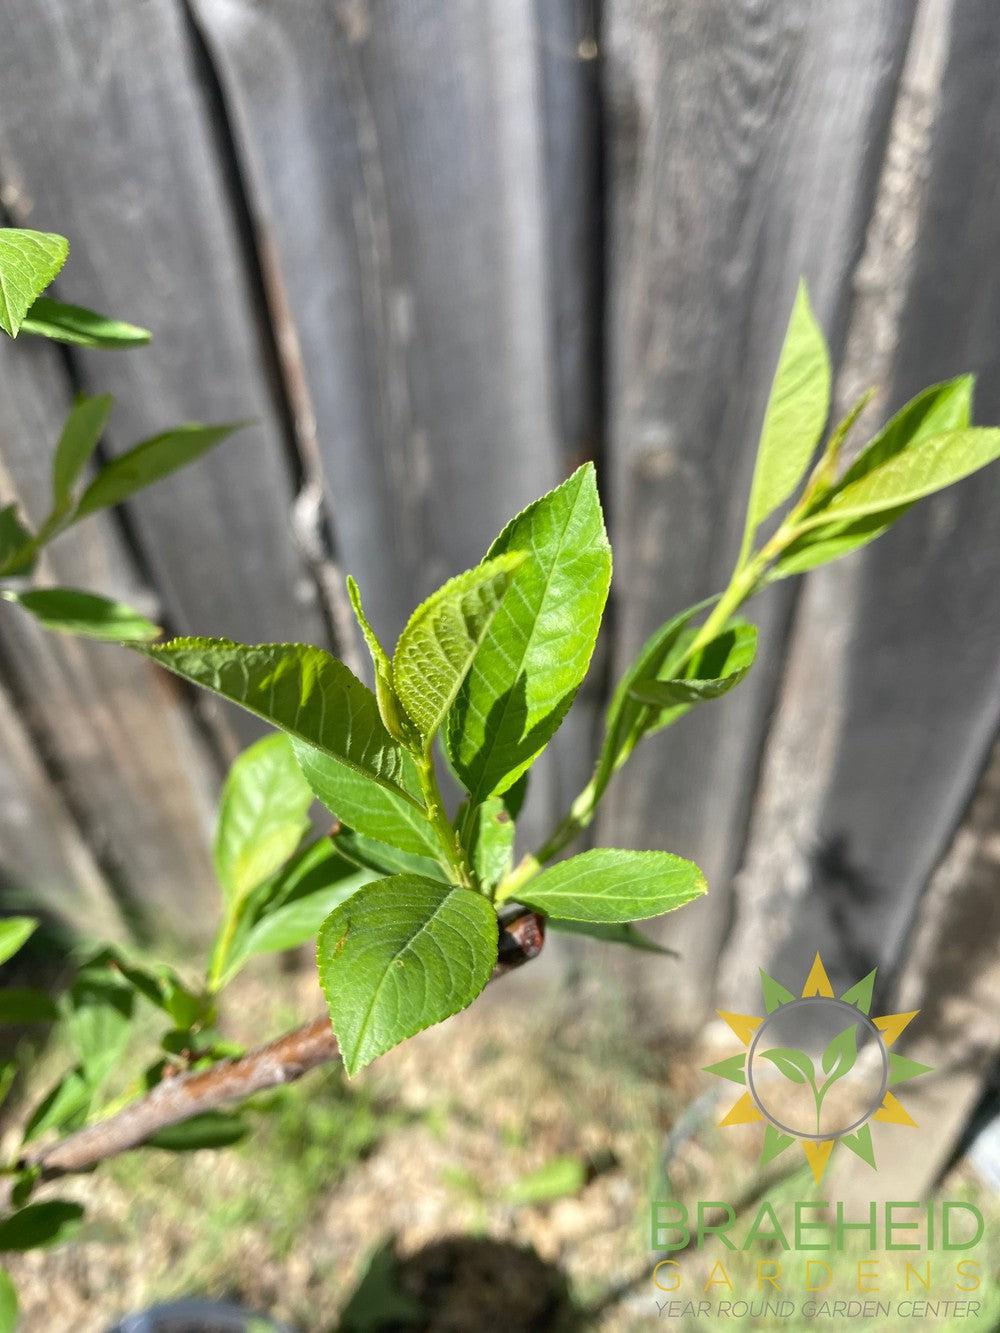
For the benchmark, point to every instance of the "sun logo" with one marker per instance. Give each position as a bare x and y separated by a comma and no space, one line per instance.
827,1099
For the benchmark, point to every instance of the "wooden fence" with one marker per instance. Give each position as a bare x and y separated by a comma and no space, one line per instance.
440,252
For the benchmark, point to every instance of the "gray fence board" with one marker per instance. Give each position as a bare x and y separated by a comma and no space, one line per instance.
728,125
119,734
396,159
904,645
44,858
111,88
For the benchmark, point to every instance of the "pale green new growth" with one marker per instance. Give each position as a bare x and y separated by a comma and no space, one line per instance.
796,413
536,652
437,647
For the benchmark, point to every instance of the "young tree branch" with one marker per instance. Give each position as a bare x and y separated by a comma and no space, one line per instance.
281,1061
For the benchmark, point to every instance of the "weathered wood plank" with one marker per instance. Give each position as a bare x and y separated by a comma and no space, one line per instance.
44,860
106,133
745,146
396,158
950,972
897,690
119,735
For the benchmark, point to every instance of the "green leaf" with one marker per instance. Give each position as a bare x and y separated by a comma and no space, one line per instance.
15,931
151,461
8,1304
17,554
557,1179
385,692
536,651
64,1107
796,413
72,611
942,407
611,884
211,1129
490,833
390,817
370,854
718,666
436,648
841,1054
99,1021
299,920
29,260
24,1005
926,466
82,327
263,816
619,932
40,1224
795,1065
290,909
400,955
315,699
80,435
627,719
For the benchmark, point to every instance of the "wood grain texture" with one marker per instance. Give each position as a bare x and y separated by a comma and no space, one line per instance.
899,689
106,133
950,972
45,861
396,155
745,143
131,767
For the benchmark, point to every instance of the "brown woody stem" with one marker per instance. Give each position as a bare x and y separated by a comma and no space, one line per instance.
281,1061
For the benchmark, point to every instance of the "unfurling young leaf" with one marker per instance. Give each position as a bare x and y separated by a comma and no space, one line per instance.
796,414
536,651
795,1065
614,885
85,328
436,649
263,816
29,260
385,693
72,611
400,955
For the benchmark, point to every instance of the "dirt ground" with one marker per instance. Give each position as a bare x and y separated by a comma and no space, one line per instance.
499,1168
